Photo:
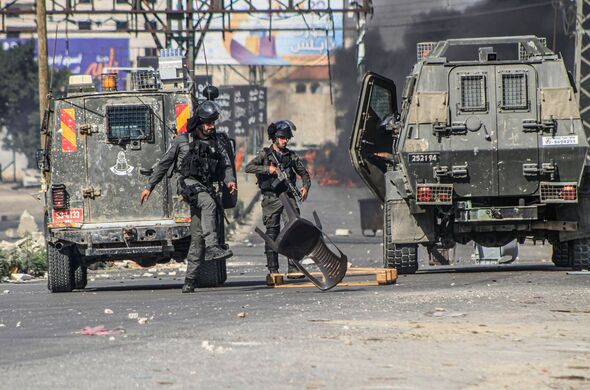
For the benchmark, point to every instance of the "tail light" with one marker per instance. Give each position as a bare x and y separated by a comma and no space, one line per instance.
555,192
424,194
434,194
568,193
59,197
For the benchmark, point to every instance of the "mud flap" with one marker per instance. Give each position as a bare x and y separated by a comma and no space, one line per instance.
300,239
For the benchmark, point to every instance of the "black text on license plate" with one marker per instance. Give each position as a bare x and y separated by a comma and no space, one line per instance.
417,158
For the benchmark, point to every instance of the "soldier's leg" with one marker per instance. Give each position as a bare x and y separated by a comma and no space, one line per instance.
209,224
271,217
196,251
208,218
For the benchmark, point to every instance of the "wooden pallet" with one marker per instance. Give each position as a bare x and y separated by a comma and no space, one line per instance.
383,277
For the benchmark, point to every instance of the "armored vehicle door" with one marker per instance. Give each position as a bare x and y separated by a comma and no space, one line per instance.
518,154
124,137
371,145
490,147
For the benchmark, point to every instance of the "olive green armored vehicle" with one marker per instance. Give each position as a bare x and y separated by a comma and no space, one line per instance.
487,145
100,148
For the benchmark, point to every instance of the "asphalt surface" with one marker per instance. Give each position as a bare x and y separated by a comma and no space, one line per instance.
522,325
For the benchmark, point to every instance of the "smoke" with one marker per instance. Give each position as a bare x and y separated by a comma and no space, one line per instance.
486,18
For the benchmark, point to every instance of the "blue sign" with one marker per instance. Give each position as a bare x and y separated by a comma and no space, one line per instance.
83,55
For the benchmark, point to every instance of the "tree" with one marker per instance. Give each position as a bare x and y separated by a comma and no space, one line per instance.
19,100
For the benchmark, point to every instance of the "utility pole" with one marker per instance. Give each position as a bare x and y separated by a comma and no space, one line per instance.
42,57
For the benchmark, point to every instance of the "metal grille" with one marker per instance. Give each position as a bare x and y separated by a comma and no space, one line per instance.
434,194
522,52
559,192
423,49
514,91
473,93
129,122
145,80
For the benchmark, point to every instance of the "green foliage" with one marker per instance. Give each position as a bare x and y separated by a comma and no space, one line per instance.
28,257
19,97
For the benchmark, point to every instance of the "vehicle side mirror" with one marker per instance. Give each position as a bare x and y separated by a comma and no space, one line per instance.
210,92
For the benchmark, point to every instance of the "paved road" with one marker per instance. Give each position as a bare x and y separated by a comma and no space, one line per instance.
523,325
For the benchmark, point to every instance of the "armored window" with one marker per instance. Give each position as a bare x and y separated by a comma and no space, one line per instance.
473,93
381,102
129,123
514,91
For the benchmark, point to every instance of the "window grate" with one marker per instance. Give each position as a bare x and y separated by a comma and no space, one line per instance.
514,91
129,122
473,93
145,80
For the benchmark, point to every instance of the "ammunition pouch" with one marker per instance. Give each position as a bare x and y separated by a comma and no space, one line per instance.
190,192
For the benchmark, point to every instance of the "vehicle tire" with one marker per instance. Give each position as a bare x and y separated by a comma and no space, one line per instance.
80,277
561,255
60,269
222,264
580,249
208,274
402,257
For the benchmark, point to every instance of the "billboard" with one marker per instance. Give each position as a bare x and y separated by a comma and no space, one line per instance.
309,46
83,55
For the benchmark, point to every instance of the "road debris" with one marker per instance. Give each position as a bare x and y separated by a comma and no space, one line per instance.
142,320
342,232
108,311
100,330
242,314
133,316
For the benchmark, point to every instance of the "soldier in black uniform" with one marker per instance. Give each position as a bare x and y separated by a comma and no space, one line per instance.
263,166
201,158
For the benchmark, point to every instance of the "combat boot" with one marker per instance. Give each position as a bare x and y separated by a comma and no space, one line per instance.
272,262
293,270
189,286
217,252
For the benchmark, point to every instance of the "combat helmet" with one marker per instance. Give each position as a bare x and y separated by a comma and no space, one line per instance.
282,128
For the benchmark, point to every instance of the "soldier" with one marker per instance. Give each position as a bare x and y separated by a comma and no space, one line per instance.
266,172
201,160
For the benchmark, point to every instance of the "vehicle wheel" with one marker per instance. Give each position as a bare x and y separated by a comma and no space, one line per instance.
403,257
60,269
80,277
208,274
561,254
222,264
580,254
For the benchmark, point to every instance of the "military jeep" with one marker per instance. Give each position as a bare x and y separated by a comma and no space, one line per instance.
487,145
100,148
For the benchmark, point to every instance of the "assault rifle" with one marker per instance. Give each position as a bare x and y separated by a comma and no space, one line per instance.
283,179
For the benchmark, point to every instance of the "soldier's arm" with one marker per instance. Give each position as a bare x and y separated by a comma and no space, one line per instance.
227,167
301,171
164,164
256,165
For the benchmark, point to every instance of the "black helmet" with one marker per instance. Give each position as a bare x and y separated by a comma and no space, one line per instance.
208,111
282,128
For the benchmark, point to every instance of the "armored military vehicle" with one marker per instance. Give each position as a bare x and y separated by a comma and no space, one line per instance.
487,145
100,148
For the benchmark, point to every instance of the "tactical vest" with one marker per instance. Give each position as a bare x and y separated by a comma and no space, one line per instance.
202,162
287,162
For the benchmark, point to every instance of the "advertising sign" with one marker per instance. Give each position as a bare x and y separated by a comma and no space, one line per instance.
84,55
308,46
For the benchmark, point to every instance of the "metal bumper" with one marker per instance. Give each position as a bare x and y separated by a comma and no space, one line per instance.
113,240
495,214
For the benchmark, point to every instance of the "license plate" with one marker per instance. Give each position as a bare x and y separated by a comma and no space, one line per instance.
420,158
68,216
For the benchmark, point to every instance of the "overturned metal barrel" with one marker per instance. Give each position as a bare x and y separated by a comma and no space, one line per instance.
300,239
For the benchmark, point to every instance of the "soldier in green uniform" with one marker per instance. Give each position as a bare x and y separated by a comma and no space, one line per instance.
264,166
201,160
